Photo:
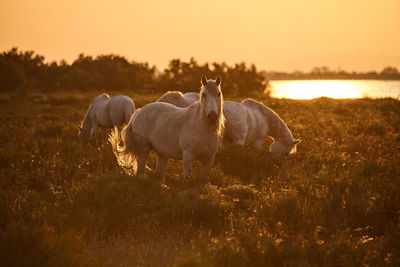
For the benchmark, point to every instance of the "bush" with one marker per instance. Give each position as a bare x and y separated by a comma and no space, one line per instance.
115,73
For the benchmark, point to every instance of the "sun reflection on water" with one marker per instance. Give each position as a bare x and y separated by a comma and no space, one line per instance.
314,89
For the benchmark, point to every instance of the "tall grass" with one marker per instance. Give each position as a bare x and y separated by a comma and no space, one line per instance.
336,202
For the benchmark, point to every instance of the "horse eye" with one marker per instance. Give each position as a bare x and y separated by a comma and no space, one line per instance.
203,94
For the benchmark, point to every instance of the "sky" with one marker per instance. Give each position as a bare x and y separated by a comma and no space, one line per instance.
286,35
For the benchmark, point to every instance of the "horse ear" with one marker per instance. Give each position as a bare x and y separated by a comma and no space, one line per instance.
218,80
203,80
297,141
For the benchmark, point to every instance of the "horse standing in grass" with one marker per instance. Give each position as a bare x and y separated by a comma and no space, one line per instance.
107,112
250,121
187,134
247,122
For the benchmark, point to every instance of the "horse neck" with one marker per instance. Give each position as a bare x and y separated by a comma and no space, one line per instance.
277,128
87,122
196,113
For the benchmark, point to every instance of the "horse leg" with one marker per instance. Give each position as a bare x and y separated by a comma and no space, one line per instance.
241,137
119,130
105,133
238,137
240,141
187,163
258,143
206,167
162,165
141,161
102,134
95,132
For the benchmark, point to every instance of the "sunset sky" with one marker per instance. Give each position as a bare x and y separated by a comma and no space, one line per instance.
285,35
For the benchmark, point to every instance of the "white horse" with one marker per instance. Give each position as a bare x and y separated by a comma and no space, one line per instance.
187,134
247,122
107,112
250,121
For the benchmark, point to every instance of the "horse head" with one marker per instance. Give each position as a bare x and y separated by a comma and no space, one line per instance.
284,148
284,144
83,132
211,99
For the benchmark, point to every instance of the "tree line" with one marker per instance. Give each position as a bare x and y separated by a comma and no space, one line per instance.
24,70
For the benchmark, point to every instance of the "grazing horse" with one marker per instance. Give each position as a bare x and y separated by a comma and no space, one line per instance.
107,112
187,134
247,122
250,121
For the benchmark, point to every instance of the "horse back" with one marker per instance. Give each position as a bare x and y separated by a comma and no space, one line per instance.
98,111
175,98
236,122
192,96
171,130
257,121
120,109
158,114
160,124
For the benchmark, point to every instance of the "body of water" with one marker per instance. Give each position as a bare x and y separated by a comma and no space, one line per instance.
308,89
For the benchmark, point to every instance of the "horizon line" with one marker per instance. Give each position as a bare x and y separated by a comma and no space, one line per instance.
161,67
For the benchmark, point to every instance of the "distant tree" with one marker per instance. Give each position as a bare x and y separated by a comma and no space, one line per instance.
109,72
242,80
183,76
54,77
389,72
239,80
20,69
11,75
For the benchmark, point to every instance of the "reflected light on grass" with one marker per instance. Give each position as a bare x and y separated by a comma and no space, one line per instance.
314,89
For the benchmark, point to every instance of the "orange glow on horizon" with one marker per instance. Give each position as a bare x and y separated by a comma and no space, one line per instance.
359,35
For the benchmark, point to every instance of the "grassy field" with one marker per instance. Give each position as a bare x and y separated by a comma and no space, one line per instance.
336,202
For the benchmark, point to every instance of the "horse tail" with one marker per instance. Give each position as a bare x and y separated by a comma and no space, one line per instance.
124,153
